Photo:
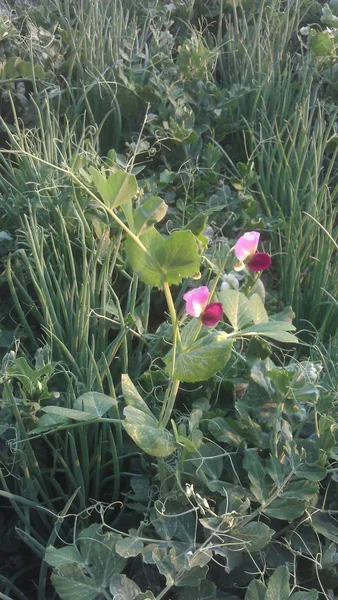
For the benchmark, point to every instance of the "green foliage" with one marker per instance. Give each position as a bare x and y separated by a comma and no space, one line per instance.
201,359
164,260
142,426
144,456
94,549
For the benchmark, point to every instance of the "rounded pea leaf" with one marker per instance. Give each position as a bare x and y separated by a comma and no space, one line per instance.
164,260
117,189
203,359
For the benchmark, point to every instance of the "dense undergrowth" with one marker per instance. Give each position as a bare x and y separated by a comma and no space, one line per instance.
150,449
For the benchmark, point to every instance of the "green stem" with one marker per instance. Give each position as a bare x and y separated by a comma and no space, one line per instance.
168,406
171,307
164,592
172,389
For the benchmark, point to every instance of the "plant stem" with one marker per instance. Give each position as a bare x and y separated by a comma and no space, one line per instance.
164,592
172,310
168,405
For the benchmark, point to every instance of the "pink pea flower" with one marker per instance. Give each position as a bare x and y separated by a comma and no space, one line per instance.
197,306
196,300
246,245
247,255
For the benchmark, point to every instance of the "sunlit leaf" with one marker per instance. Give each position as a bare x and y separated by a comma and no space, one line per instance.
237,308
145,432
259,314
95,403
165,259
117,189
148,213
203,359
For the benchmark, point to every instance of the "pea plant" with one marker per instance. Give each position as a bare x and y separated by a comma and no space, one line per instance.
218,480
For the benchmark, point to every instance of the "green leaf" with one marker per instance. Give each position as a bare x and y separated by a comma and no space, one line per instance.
189,332
300,489
256,590
98,550
287,315
321,43
141,424
145,596
165,525
62,556
94,403
151,211
328,18
203,359
311,472
185,526
72,584
236,307
259,314
145,432
123,587
119,188
129,546
208,459
275,469
253,536
47,422
324,525
191,577
308,595
206,590
226,430
68,413
286,509
259,483
276,330
278,585
198,224
164,565
169,259
132,396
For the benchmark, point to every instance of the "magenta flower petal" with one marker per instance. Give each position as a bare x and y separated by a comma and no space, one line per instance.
246,245
212,314
259,262
196,300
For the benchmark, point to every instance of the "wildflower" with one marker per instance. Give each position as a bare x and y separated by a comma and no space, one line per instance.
246,245
197,306
245,252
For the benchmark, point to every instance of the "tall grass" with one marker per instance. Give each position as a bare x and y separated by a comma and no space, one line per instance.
282,126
